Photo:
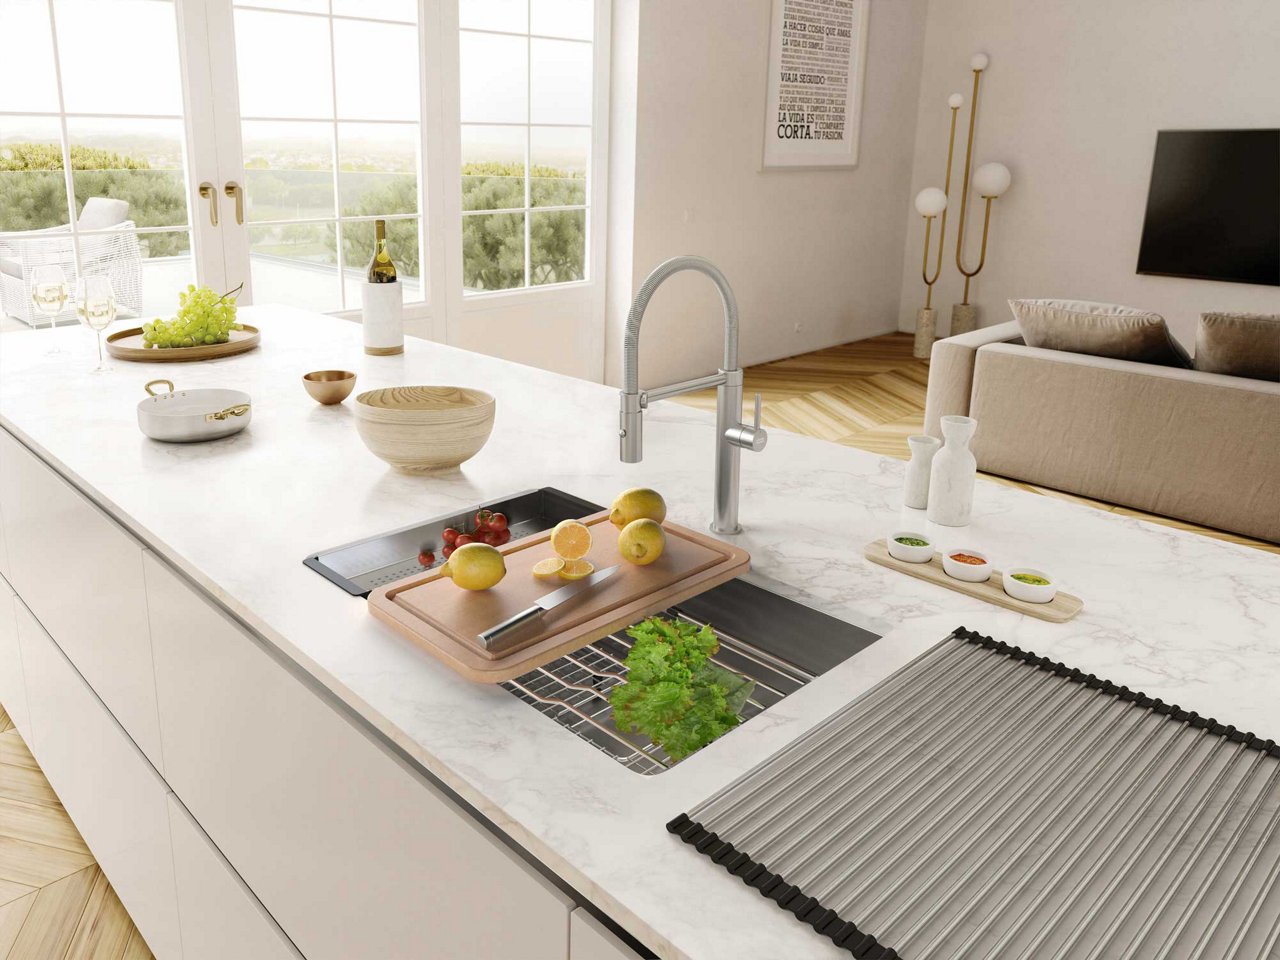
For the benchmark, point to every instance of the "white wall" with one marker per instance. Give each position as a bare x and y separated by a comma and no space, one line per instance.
814,257
1071,104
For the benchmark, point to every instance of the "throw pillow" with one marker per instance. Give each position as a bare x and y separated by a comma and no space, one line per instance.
1240,345
102,212
1098,329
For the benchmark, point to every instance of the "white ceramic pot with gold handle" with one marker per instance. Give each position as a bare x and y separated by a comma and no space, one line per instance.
189,416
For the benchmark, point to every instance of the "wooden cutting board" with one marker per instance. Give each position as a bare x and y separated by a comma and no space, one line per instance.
445,620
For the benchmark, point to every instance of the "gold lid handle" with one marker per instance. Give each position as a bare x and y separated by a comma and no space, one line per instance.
239,410
152,383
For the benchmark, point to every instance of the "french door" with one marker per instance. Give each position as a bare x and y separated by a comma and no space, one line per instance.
252,143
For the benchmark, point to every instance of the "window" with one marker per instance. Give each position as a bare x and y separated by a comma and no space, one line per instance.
92,151
526,103
330,136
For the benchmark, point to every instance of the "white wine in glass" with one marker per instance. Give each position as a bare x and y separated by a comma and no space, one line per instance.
96,307
49,295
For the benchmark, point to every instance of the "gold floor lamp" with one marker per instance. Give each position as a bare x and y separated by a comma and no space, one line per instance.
990,181
930,202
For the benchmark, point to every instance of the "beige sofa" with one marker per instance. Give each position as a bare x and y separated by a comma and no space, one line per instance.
1201,447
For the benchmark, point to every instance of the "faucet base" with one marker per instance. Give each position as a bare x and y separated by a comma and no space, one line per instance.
729,532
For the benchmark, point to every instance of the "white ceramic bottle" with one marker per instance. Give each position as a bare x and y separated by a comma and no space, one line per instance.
953,474
916,492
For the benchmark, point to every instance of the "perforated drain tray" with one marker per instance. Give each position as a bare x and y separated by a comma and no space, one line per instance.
984,802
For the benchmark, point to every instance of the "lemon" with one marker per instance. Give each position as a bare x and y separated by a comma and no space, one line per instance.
571,539
475,566
642,541
548,568
576,569
636,504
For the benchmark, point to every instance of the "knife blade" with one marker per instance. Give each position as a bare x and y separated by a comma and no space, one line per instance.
493,638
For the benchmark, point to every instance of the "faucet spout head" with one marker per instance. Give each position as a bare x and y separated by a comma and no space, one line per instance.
630,428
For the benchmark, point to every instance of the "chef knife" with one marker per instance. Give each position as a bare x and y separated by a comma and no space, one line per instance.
494,637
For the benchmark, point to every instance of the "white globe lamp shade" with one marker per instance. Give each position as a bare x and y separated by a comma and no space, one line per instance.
991,179
979,61
955,101
930,202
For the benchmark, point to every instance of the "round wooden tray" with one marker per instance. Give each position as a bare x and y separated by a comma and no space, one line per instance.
127,345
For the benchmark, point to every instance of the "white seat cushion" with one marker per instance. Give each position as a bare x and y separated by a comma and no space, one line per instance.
102,212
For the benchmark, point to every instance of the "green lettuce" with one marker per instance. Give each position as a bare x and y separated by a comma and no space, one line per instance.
674,694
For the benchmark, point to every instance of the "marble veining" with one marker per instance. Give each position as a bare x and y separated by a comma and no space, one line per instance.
1191,620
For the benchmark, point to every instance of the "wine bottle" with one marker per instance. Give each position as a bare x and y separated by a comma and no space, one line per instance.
381,269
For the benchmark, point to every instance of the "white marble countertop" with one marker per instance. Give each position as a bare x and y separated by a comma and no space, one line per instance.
1191,620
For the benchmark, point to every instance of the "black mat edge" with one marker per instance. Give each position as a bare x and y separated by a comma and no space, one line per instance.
845,933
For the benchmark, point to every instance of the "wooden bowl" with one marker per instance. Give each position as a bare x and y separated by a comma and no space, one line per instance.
421,429
329,386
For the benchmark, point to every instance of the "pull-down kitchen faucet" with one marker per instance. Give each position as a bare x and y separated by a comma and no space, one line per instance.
731,433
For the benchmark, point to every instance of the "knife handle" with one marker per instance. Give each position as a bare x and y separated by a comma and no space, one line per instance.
492,638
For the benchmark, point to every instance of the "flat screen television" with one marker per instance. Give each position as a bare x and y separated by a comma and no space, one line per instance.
1213,209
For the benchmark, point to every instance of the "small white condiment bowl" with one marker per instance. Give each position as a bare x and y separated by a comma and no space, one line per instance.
969,572
1030,592
906,552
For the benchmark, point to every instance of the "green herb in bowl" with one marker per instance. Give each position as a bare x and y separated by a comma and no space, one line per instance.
1030,578
674,694
911,541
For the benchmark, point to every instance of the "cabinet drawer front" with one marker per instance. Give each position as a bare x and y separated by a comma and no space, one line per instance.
81,575
589,939
13,690
353,855
115,798
220,917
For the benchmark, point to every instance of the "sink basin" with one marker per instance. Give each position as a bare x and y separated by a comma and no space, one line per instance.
777,642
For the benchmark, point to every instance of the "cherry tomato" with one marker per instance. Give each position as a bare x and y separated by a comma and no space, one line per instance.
463,539
498,521
448,550
426,558
491,537
482,521
503,537
449,535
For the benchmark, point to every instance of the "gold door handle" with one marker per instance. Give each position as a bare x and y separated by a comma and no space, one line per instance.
233,189
209,193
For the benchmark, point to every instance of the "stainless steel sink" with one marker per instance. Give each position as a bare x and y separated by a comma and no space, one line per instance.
779,643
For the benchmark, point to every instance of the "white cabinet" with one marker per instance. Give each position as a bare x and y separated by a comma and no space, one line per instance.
13,690
221,918
589,939
81,575
352,853
116,799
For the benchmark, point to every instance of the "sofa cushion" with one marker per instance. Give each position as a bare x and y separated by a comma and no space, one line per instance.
102,212
1239,345
1098,329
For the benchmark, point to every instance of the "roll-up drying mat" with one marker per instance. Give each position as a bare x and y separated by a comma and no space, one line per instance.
984,802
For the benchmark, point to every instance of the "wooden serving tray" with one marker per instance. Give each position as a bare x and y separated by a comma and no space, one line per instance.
127,345
445,620
1059,610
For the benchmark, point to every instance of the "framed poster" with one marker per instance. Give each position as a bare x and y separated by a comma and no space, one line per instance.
817,57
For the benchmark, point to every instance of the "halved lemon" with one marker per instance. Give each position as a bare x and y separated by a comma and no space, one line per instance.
548,568
571,539
577,569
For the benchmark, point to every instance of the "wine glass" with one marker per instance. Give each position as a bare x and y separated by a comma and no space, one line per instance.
96,306
49,295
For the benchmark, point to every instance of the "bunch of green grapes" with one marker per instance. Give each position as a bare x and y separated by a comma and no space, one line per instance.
203,317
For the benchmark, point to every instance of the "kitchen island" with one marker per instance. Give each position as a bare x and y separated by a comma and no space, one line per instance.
1191,620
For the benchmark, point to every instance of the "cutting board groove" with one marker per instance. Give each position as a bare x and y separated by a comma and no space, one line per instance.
444,619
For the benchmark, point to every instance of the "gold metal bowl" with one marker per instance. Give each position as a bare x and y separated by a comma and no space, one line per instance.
418,429
329,386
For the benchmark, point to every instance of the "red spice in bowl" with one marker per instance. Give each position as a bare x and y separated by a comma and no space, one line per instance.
967,558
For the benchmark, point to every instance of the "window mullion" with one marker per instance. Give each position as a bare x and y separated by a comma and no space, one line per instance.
528,148
67,173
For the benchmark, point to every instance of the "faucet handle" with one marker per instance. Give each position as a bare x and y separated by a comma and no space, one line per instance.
751,438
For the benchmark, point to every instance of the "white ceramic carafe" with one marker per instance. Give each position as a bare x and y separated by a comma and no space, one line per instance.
916,492
953,474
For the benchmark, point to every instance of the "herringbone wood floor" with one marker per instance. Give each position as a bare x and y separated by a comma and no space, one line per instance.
870,395
55,902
